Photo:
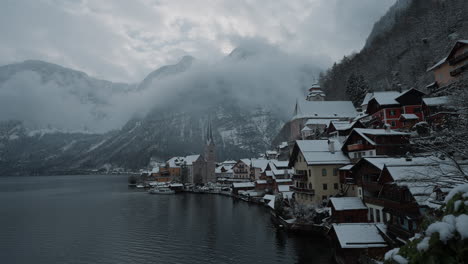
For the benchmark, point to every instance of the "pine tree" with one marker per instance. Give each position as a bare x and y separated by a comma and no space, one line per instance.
356,88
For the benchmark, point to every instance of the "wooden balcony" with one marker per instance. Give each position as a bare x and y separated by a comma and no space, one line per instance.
299,176
355,147
303,190
398,231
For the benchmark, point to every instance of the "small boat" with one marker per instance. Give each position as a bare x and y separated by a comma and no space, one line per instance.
140,186
161,190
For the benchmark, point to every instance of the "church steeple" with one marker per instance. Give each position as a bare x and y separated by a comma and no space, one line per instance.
209,134
297,109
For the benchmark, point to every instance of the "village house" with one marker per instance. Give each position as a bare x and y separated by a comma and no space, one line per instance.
438,110
352,240
316,164
241,170
347,210
452,67
271,154
173,167
187,169
386,108
363,142
342,129
257,167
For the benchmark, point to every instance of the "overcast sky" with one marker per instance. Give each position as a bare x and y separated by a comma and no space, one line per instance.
123,40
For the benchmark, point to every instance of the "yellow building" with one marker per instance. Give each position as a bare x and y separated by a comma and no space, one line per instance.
316,164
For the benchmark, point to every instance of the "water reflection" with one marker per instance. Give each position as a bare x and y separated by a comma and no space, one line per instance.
97,219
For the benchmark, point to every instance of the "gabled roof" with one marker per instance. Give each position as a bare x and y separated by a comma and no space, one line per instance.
347,203
325,109
259,163
324,122
359,235
190,159
380,162
383,98
343,125
243,185
442,61
317,152
365,132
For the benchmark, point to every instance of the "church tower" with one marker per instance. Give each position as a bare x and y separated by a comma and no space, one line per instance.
210,155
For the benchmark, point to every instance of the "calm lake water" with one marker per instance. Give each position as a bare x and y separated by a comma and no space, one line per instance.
97,219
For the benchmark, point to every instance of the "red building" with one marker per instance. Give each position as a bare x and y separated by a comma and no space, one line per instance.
386,108
375,142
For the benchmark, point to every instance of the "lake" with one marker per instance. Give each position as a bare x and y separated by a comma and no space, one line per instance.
98,219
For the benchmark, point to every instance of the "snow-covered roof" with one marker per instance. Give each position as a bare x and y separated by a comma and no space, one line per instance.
175,162
359,235
246,162
243,185
306,128
271,204
261,182
155,170
175,185
380,162
287,195
324,122
435,101
347,167
191,159
259,163
442,61
363,132
283,188
271,152
409,116
382,98
343,125
347,203
269,197
325,109
317,152
283,180
280,164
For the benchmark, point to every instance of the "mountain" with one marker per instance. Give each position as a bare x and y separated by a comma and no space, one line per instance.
41,88
409,39
246,96
165,71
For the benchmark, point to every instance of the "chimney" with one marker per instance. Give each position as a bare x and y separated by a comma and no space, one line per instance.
408,157
331,146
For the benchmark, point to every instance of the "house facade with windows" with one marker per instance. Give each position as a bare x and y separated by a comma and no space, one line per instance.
453,66
316,166
241,170
386,108
363,142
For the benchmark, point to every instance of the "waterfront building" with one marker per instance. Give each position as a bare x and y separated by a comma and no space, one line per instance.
347,210
352,241
241,170
316,164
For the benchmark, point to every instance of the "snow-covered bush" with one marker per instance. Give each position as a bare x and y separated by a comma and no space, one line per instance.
444,241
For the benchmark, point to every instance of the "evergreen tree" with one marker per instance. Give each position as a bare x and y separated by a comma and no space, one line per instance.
356,88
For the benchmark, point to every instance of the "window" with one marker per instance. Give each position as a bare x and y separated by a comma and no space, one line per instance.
377,214
335,172
393,123
325,187
324,197
360,192
417,110
371,214
335,186
324,172
310,186
310,173
392,112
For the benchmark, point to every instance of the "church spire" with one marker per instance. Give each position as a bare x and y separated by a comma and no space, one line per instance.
209,134
297,109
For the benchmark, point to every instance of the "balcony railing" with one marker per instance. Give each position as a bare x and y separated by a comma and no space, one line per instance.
299,176
359,147
303,190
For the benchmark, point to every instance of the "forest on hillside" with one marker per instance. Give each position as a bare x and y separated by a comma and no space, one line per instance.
398,58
